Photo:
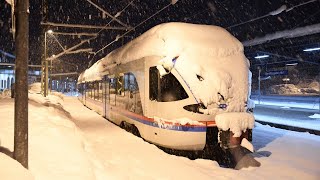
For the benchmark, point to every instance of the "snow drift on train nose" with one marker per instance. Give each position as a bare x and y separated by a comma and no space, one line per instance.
220,85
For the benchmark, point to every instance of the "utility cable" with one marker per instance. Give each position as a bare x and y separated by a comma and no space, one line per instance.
118,37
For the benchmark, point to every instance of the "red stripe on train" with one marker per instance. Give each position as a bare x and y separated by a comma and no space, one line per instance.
205,123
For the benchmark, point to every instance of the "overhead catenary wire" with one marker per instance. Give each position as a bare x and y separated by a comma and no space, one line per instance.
57,41
68,51
104,11
119,13
283,8
118,37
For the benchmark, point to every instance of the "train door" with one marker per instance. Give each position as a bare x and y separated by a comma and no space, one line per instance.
134,100
106,97
132,94
112,91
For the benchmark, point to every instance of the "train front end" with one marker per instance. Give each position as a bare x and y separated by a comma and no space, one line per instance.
216,72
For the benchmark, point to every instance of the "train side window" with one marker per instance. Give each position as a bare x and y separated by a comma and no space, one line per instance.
89,93
105,88
112,90
126,81
96,90
120,86
91,90
130,82
100,91
133,85
165,89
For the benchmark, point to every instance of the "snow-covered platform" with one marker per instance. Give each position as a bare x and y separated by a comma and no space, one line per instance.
73,142
299,113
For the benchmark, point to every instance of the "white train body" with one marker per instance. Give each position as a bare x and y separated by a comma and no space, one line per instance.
172,83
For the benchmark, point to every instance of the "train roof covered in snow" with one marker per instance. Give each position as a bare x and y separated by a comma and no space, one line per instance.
168,40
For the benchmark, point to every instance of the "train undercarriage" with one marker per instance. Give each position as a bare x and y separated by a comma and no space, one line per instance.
221,147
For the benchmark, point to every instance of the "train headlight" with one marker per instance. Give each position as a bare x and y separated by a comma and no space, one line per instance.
194,108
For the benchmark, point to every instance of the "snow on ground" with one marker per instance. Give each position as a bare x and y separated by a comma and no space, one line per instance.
13,170
288,104
315,116
56,147
5,94
86,146
313,123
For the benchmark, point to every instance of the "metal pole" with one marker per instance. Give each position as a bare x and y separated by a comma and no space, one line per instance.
259,78
51,75
20,152
45,66
46,69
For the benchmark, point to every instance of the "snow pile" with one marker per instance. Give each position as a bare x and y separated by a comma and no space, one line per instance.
284,89
315,116
287,89
35,88
93,74
54,99
237,122
313,87
50,99
172,39
6,93
10,169
180,121
245,143
58,94
57,149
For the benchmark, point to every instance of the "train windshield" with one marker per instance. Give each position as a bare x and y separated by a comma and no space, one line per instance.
165,89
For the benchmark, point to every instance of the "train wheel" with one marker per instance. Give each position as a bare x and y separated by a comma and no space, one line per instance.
130,128
135,130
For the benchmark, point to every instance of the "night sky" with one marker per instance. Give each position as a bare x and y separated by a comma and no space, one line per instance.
224,13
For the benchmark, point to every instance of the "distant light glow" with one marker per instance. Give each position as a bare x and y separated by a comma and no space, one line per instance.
286,79
261,56
312,49
50,31
9,66
291,64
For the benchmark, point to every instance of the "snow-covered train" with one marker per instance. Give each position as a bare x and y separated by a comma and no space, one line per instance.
178,85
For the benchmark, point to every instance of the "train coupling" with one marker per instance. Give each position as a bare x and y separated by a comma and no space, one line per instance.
239,149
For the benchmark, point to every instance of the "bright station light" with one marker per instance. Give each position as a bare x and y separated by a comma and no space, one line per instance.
312,49
261,56
50,31
291,64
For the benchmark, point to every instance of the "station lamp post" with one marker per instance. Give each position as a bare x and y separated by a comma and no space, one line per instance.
51,71
44,67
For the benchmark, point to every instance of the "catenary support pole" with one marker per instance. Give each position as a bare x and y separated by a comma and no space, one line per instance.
21,85
259,85
44,63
